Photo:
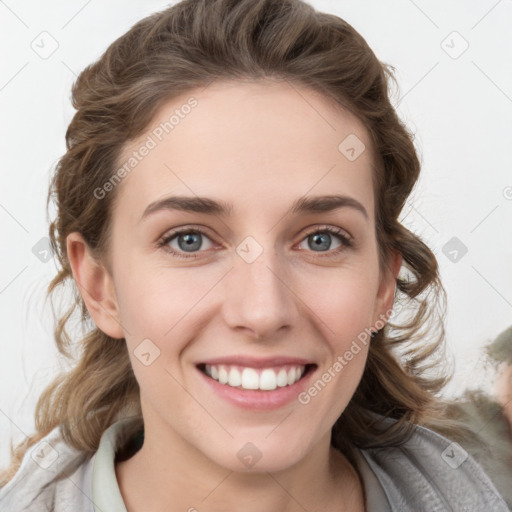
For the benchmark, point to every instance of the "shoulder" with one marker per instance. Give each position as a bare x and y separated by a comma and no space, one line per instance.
430,472
52,476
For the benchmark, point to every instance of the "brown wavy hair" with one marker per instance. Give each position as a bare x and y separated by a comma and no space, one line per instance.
186,46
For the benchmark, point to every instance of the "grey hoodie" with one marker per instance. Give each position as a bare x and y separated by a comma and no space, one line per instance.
426,474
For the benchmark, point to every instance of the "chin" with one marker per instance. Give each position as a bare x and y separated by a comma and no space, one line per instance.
260,455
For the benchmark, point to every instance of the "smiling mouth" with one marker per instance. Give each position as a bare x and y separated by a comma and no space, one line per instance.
261,379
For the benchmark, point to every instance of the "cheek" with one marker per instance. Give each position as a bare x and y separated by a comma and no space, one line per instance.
153,301
155,312
343,311
343,299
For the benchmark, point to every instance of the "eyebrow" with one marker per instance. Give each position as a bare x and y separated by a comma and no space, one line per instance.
206,205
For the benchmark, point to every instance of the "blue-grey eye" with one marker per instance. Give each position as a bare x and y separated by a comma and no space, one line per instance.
191,242
188,241
321,241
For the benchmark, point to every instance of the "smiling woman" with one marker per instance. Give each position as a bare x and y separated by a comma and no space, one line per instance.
242,276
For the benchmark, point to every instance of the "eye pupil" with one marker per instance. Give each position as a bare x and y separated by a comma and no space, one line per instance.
318,241
189,242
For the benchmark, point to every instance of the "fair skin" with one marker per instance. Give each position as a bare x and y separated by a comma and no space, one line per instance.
259,146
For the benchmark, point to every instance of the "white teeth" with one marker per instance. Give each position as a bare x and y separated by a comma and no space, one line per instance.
250,379
234,378
223,375
282,378
291,376
266,379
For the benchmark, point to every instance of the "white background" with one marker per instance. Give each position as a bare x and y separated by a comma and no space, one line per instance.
460,110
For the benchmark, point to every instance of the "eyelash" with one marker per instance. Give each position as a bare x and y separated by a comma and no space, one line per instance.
347,242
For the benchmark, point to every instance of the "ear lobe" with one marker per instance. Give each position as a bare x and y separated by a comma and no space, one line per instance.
387,288
95,285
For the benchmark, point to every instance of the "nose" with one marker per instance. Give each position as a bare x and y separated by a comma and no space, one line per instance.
259,297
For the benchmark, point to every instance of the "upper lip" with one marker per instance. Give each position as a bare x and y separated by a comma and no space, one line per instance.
257,362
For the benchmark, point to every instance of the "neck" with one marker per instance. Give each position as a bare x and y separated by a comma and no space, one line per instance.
157,477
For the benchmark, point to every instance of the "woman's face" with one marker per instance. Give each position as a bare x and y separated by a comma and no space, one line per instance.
258,297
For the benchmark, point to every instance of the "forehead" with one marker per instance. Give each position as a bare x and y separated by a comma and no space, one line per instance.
248,143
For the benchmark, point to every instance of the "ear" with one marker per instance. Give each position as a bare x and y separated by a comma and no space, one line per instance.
387,287
96,286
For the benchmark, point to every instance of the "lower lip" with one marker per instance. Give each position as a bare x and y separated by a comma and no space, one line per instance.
257,399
